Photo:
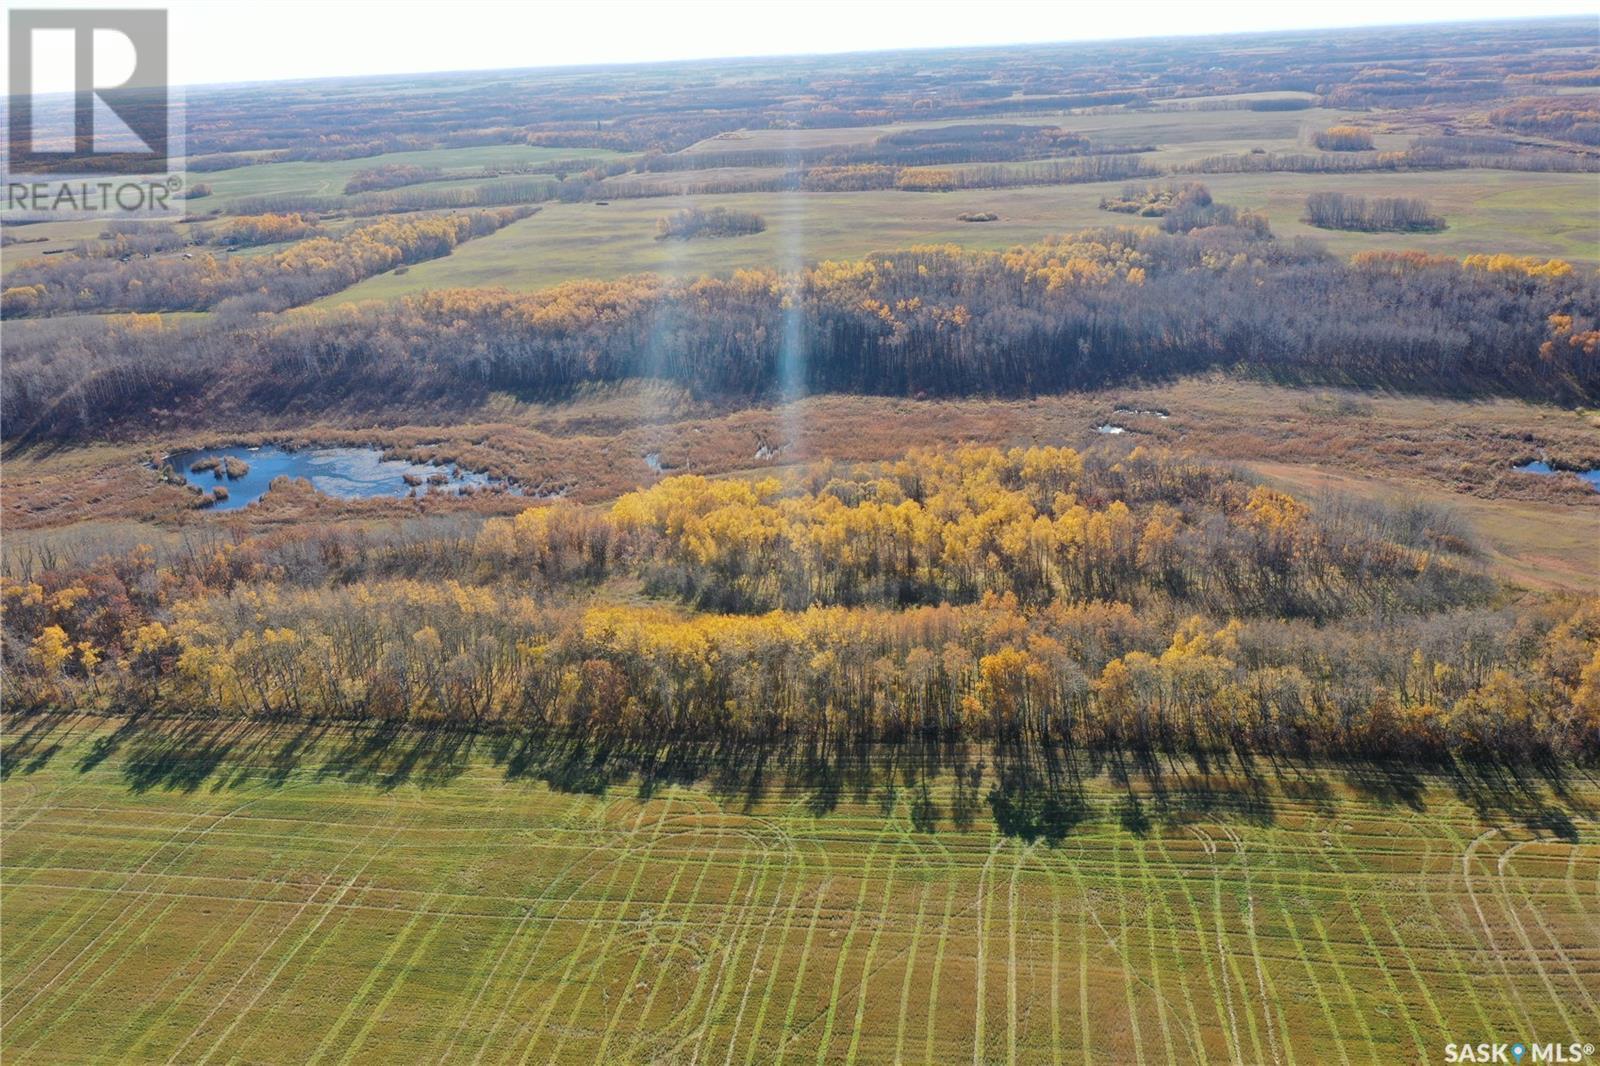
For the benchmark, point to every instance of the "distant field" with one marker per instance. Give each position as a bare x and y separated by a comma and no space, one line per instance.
1485,210
1236,131
243,893
328,178
1549,214
57,237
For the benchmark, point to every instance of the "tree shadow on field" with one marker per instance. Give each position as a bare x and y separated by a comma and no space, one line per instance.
1164,788
391,754
31,742
107,744
1038,792
1388,783
1302,784
185,754
565,763
237,755
179,757
1535,793
1034,790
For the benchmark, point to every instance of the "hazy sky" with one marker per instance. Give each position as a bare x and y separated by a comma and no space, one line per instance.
249,40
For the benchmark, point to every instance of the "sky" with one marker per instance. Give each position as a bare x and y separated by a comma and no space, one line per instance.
259,40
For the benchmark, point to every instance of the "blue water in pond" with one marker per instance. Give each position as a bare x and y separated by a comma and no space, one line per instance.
348,473
1591,476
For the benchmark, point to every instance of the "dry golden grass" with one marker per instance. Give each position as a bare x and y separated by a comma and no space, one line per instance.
1544,545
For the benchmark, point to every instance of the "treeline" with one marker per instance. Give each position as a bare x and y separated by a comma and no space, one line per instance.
446,197
1498,153
1185,208
709,183
454,197
1292,103
1565,118
1154,201
569,180
1343,139
303,272
1077,311
972,594
1053,172
1426,153
1035,525
390,176
250,230
934,146
126,240
692,222
858,177
1333,210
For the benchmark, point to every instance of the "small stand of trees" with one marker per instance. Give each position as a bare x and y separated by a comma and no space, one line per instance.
391,176
1154,201
693,222
1344,139
251,230
1334,210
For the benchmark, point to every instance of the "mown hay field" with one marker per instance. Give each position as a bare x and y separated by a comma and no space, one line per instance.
197,894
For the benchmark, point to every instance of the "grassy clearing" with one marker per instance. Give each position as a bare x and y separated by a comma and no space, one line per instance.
245,892
1484,210
1535,214
42,237
1540,545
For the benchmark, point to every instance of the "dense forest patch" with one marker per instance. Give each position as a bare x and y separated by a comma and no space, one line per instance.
1146,601
1085,309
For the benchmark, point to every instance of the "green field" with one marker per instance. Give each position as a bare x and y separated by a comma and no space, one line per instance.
238,893
327,178
1527,214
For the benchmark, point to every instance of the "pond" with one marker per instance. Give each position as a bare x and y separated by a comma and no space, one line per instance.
347,473
1591,476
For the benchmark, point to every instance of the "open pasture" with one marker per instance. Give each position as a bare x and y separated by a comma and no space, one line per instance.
1524,213
211,893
